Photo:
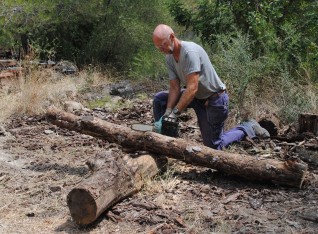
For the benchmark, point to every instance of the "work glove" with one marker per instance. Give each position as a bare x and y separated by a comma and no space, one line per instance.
170,125
173,117
168,112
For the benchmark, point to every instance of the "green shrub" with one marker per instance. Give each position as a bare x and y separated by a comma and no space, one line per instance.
294,98
236,66
253,81
149,64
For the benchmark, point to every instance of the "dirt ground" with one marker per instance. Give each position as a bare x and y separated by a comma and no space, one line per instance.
40,163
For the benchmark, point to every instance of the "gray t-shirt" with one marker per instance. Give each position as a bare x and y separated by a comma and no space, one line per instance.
193,58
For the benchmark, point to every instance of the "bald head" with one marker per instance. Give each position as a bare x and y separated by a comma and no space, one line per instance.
162,31
164,39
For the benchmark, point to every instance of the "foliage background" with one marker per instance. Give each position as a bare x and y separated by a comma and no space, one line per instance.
265,51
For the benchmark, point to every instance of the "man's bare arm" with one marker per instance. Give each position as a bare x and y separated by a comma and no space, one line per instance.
189,93
174,93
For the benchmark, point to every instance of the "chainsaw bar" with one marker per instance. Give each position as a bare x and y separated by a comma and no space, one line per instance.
142,127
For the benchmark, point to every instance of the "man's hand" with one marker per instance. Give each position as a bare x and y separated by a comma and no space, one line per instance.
170,125
173,117
168,112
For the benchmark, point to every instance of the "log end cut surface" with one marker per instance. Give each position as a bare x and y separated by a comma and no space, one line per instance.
82,206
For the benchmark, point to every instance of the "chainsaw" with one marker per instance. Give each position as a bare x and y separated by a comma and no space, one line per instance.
166,126
170,126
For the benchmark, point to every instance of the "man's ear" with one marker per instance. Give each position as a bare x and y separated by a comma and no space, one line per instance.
172,36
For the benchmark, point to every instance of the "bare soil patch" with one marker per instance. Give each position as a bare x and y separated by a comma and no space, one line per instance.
40,164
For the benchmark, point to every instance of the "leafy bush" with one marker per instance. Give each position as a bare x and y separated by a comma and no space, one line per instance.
281,29
253,81
236,66
294,97
98,32
148,64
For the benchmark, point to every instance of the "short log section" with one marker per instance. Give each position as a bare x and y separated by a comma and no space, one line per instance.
113,179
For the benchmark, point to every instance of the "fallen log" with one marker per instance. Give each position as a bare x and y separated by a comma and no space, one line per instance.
8,62
113,179
290,173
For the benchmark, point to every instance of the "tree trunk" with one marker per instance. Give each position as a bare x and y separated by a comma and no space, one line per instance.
113,179
289,173
308,123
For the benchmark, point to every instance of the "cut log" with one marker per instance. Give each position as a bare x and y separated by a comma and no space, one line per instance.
8,62
291,173
308,123
6,75
270,122
113,179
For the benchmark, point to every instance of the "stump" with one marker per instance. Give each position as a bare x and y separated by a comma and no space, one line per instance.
308,123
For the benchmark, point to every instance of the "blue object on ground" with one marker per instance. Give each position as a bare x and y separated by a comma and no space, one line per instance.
157,126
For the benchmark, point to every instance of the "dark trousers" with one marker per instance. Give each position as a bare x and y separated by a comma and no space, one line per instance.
211,114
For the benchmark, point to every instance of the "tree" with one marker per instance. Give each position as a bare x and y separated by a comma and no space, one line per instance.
283,30
100,31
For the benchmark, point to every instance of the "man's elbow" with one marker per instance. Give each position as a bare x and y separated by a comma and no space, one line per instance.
193,90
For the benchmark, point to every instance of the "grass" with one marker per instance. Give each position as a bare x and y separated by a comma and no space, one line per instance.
110,103
99,102
163,182
37,89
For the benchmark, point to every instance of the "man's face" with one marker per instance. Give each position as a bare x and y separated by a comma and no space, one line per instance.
165,45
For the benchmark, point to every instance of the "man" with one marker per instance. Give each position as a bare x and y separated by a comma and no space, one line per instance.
189,64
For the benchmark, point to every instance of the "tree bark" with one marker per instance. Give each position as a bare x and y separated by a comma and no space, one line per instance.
270,122
308,123
291,173
113,179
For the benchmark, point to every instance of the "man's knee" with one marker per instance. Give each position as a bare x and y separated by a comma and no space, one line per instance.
159,104
162,95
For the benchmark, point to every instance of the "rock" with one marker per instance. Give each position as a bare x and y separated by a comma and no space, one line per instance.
30,214
122,89
207,214
66,67
55,188
48,132
3,132
72,106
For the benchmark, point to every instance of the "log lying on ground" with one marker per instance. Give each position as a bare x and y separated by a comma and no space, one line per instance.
113,179
291,173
